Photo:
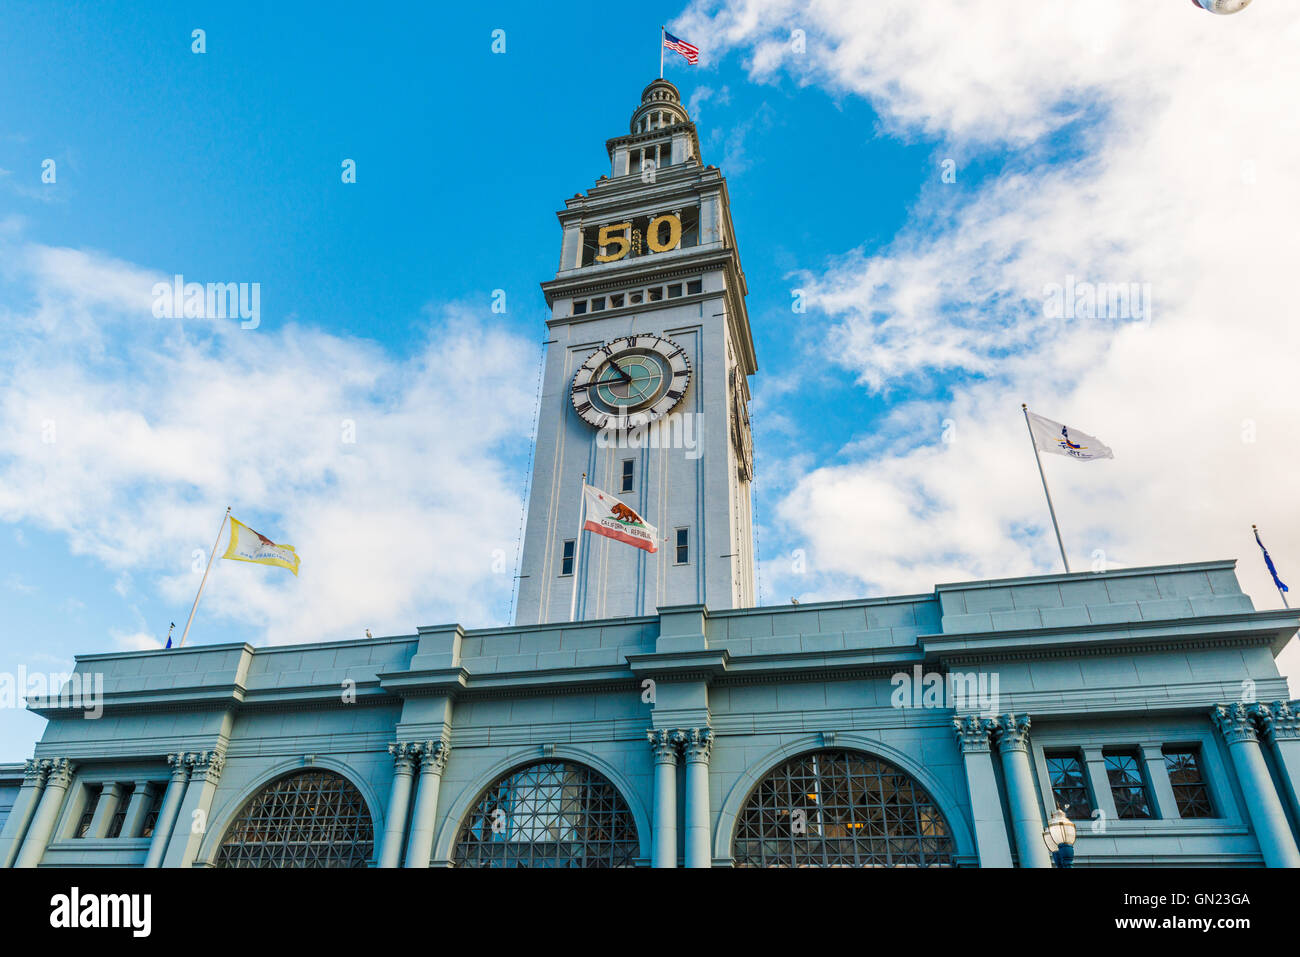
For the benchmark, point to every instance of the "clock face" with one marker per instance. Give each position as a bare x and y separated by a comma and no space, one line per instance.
631,381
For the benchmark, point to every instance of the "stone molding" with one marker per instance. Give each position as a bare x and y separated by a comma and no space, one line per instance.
432,756
1279,721
1235,721
205,766
974,732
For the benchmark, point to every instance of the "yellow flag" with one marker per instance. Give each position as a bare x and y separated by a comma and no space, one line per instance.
247,545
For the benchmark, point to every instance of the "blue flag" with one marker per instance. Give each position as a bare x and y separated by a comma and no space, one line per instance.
1269,562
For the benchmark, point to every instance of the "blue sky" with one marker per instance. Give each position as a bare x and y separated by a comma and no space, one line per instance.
375,308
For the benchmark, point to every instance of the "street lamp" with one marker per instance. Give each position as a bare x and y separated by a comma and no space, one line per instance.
1059,838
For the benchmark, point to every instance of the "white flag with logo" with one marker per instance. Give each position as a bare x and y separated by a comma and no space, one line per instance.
1055,437
606,515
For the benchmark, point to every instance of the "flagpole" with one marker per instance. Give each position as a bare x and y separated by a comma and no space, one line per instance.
661,51
1046,491
1280,593
577,545
199,595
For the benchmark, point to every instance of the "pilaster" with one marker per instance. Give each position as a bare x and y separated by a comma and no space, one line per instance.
192,819
1276,842
433,759
58,777
991,841
20,815
1026,816
399,802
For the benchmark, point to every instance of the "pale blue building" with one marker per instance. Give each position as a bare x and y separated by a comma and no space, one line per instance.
640,712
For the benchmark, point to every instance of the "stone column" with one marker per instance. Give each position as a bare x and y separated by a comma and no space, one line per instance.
20,815
399,801
171,806
1095,766
192,820
137,809
664,745
1276,841
58,776
110,795
1280,724
698,746
433,758
991,842
1153,756
1022,798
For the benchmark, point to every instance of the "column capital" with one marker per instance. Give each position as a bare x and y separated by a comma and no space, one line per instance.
432,756
205,765
665,743
109,789
59,772
34,771
973,732
405,754
698,744
1279,721
1012,732
1235,722
180,766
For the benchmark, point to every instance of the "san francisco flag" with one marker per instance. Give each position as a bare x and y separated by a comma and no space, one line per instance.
606,515
247,545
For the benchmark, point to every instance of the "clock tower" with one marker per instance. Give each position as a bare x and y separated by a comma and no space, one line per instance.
645,388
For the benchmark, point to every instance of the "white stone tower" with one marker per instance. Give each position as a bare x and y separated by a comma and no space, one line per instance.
649,295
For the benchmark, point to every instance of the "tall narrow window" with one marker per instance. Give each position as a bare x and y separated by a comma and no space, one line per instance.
683,546
1069,785
119,816
1188,781
155,807
92,801
566,557
629,473
1125,773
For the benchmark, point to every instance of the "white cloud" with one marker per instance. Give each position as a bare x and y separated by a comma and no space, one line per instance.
129,435
1144,143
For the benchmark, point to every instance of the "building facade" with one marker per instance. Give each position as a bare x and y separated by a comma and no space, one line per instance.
640,712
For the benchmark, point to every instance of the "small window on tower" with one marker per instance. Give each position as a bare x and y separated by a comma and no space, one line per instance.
629,472
566,558
579,306
616,301
694,287
598,304
636,298
683,555
655,294
690,227
675,291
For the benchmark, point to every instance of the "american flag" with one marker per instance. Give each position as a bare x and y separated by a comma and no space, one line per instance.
688,50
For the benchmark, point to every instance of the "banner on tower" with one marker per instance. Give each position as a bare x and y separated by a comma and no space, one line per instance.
606,515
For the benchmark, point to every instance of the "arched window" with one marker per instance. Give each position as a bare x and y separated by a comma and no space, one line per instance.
550,814
840,809
306,819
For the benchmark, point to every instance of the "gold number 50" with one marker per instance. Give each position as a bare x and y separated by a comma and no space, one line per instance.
606,238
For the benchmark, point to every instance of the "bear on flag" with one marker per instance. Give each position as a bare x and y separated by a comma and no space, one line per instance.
606,515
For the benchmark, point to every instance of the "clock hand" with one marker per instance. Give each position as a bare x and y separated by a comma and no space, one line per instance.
617,368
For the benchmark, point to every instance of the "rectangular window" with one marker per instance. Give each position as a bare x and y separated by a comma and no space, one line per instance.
566,558
579,306
616,300
675,291
1069,784
655,294
598,304
155,805
1124,770
694,287
92,802
629,472
1190,792
119,816
683,555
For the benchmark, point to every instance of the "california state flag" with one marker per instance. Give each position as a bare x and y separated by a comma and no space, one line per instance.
606,515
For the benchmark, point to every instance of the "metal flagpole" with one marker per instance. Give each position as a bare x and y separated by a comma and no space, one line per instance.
577,545
1269,561
205,578
661,51
1046,491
